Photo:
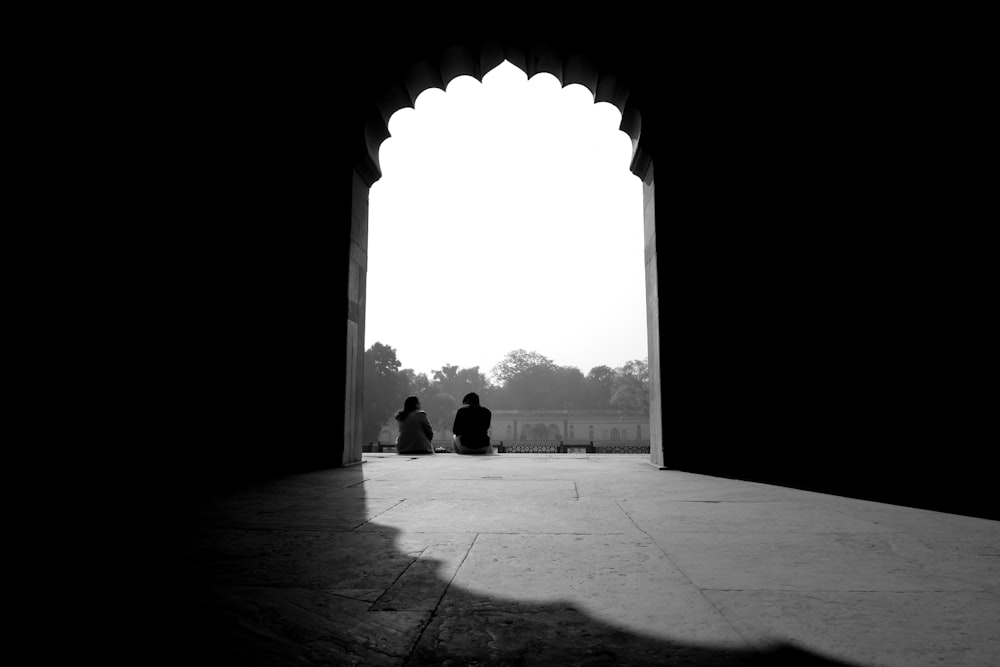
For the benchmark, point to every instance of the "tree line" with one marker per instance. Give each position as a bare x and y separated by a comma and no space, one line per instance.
522,380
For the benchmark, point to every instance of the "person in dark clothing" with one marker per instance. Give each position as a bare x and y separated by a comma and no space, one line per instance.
472,425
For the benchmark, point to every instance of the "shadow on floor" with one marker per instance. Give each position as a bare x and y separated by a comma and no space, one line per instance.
277,573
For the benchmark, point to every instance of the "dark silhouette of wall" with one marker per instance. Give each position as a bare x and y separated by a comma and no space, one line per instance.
813,332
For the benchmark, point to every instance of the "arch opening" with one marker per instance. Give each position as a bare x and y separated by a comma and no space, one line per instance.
601,87
507,191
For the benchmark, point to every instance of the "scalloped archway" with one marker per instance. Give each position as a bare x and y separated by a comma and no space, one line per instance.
401,91
605,85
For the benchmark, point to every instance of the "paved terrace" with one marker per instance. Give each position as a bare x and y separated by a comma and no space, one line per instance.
578,560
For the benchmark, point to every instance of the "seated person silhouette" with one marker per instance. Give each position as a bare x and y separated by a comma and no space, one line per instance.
471,429
415,432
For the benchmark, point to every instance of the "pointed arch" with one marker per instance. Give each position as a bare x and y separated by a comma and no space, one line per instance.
602,71
476,61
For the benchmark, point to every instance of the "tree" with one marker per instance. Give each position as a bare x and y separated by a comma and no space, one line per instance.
416,383
441,397
440,408
531,389
458,382
599,385
630,390
517,362
544,387
570,388
531,381
385,389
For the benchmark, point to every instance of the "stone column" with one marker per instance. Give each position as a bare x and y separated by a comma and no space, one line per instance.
656,443
355,344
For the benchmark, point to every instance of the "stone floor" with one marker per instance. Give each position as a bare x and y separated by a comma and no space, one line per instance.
575,560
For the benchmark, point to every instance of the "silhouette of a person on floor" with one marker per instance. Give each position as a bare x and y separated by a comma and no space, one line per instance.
415,432
471,428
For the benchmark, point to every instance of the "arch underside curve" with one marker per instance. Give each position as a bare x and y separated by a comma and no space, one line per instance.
476,61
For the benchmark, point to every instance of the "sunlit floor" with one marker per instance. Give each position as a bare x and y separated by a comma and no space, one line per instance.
522,559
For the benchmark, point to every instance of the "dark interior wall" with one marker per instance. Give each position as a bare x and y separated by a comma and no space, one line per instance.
809,332
823,330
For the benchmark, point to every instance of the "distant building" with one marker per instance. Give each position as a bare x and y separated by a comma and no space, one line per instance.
567,426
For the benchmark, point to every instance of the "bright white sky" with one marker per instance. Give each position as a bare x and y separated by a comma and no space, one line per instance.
506,218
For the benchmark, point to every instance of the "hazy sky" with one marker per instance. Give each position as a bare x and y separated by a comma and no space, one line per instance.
506,218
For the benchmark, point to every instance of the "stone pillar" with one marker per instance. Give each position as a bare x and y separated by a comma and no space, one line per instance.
656,393
355,362
515,430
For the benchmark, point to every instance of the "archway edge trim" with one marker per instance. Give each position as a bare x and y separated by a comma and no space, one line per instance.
476,61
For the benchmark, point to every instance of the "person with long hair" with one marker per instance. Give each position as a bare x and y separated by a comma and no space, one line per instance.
472,425
415,432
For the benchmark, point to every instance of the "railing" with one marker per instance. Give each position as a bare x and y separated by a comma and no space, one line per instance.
545,447
623,447
528,448
592,447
